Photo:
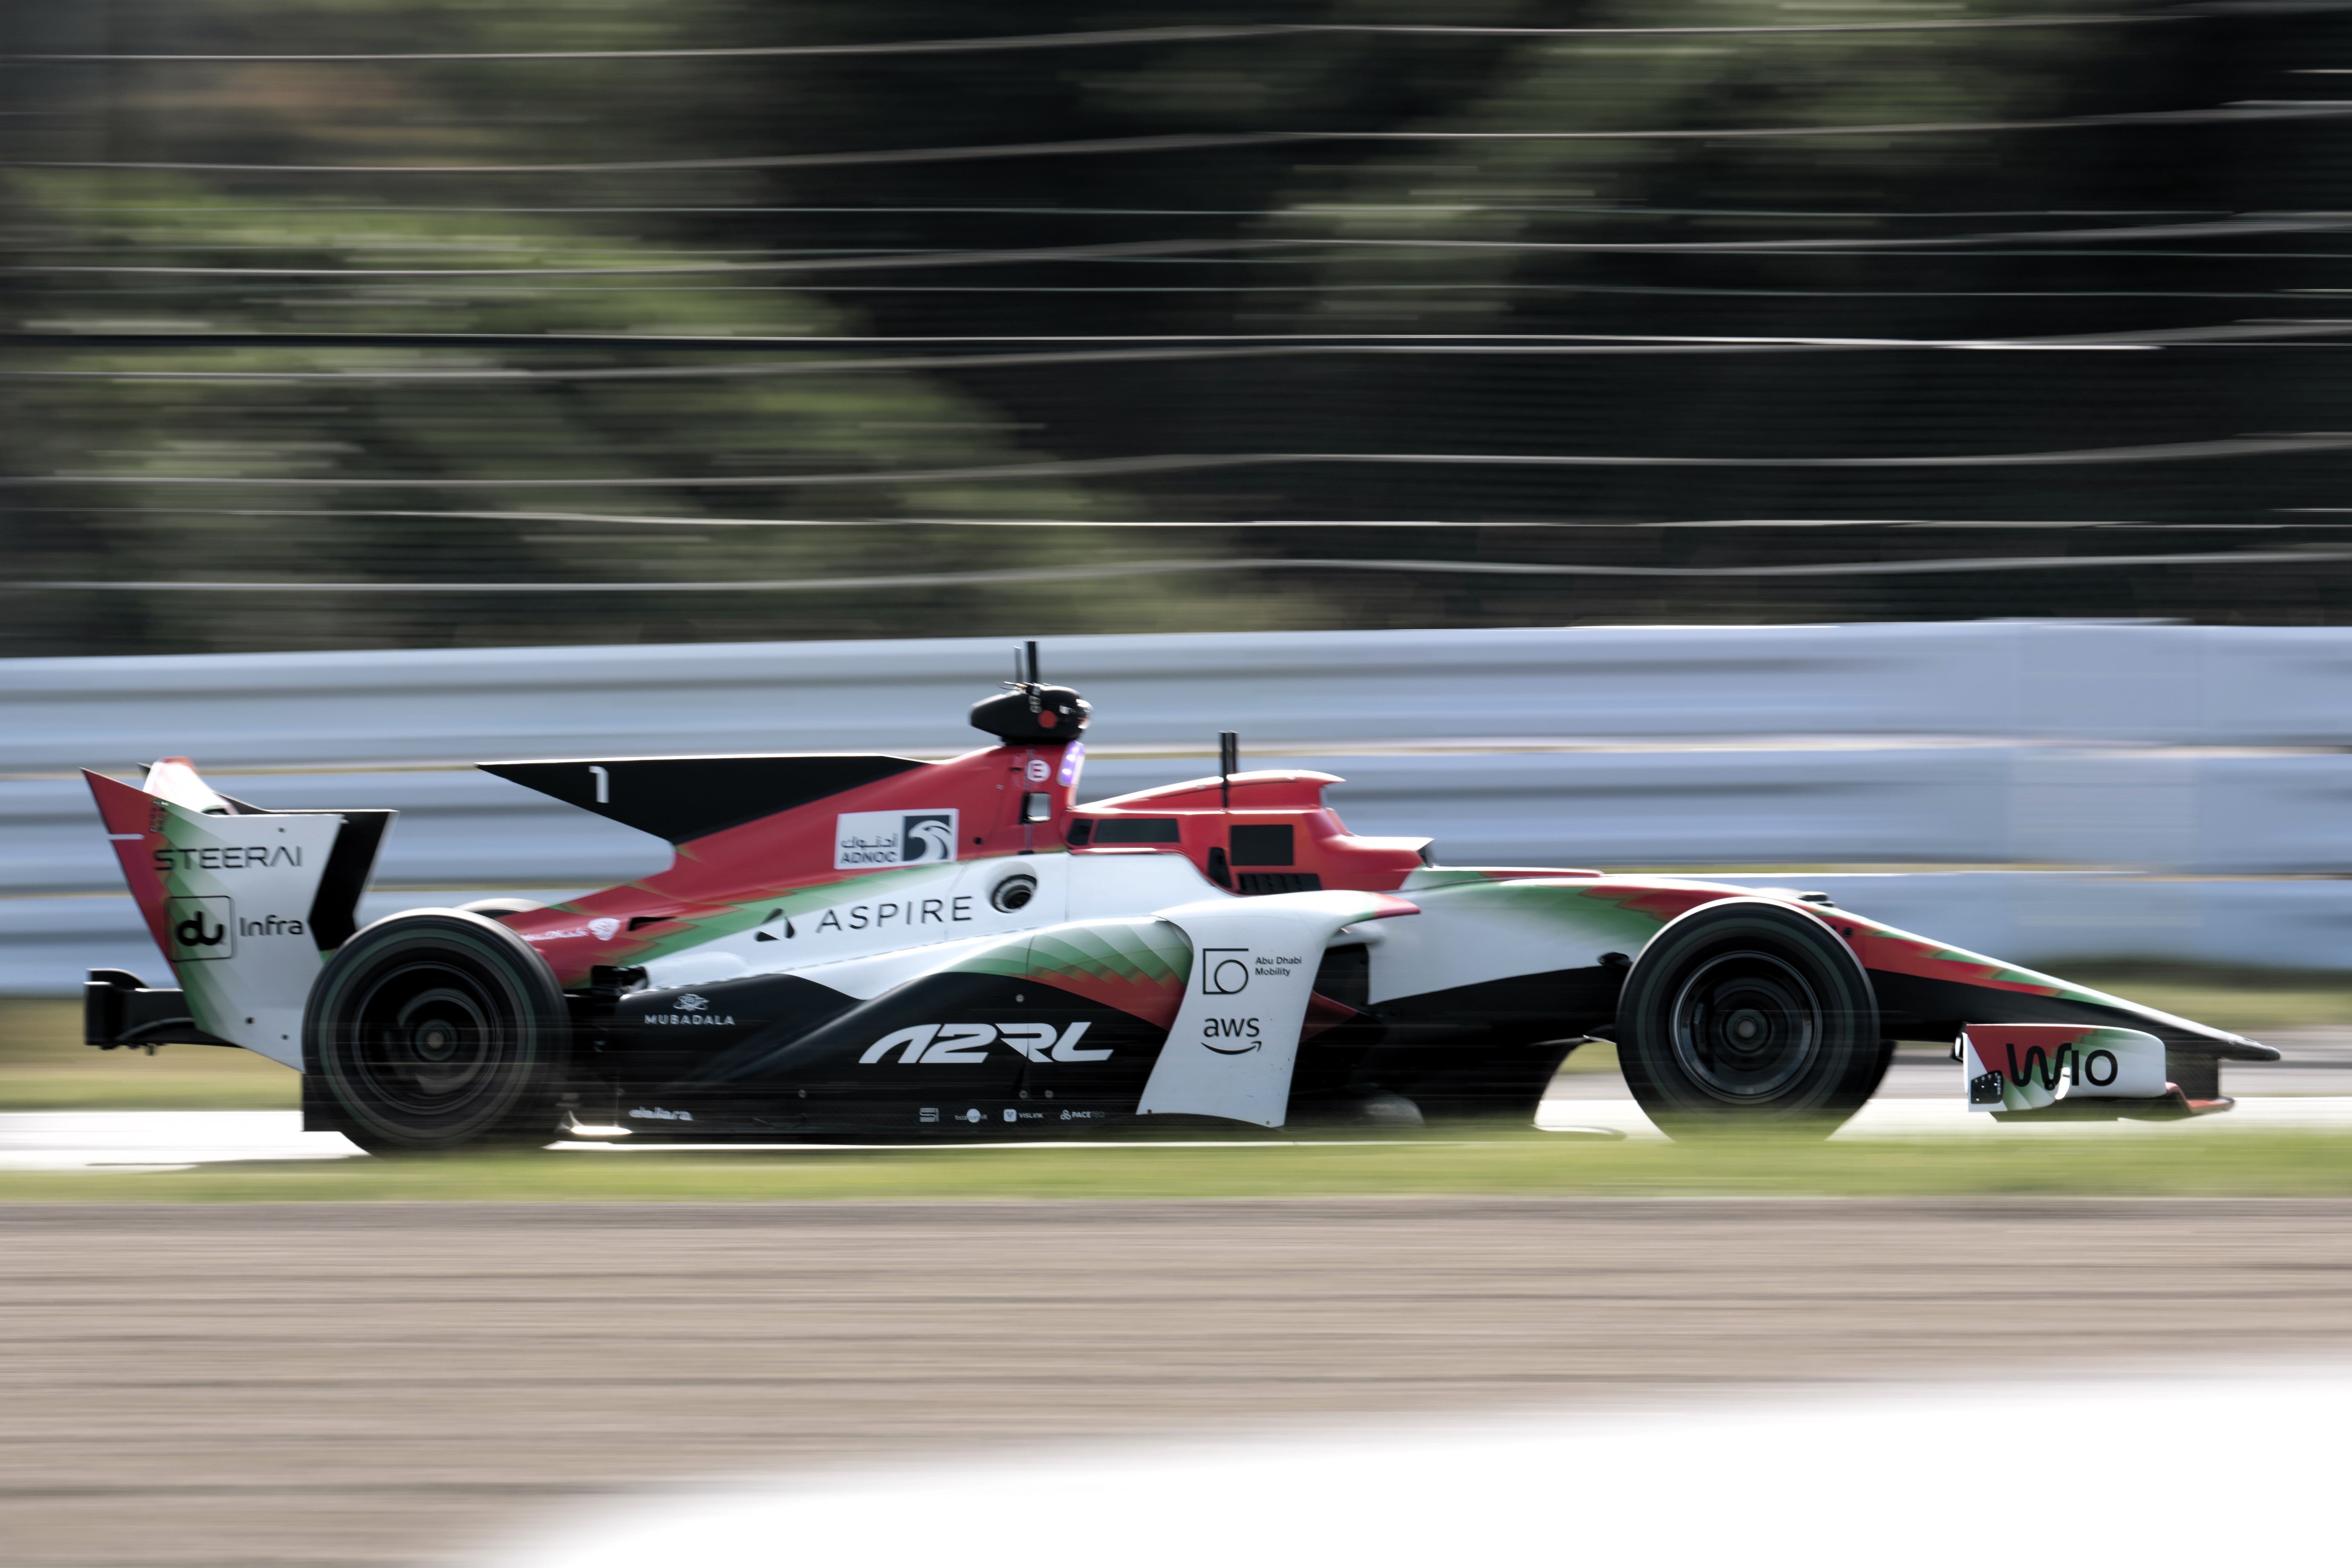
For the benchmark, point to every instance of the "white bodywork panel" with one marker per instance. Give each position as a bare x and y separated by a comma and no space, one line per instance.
2095,1063
237,921
180,783
1124,883
1235,1040
890,911
922,910
1486,934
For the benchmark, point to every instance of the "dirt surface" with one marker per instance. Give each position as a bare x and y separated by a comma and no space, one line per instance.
279,1385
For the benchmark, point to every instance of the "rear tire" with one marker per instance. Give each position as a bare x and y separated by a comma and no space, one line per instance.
1746,1016
438,1029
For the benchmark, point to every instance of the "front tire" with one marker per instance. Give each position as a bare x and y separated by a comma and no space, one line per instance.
438,1029
1747,1016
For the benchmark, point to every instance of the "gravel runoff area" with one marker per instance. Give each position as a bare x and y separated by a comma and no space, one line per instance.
375,1383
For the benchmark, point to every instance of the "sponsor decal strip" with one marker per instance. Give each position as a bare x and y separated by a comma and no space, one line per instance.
691,1009
869,841
171,857
936,1044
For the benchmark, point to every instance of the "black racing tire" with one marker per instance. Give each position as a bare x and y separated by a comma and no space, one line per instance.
438,1029
1747,1016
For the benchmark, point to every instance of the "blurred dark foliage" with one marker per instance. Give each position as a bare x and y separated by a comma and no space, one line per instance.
237,351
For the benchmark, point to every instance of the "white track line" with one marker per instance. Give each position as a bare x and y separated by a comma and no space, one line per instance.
2062,1473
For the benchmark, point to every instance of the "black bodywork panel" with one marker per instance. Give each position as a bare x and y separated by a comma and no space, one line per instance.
334,908
959,1055
1477,1052
684,798
781,1055
117,1008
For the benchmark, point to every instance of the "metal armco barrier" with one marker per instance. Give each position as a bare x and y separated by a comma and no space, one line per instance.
2088,748
2128,683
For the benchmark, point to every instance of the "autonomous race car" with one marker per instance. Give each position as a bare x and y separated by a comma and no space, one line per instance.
875,948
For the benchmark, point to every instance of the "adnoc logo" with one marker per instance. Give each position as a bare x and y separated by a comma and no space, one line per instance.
864,840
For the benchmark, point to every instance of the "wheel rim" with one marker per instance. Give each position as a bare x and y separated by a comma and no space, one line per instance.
428,1039
1747,1024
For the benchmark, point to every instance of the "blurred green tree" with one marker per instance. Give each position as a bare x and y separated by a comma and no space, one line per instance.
1819,282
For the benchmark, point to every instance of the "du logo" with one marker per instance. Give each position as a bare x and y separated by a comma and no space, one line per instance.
201,928
864,840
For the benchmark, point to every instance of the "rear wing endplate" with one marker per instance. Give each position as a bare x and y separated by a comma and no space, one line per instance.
244,904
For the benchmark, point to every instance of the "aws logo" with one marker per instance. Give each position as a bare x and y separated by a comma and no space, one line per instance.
864,840
1234,1029
969,1043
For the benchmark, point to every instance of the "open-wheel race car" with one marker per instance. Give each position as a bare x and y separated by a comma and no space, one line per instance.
871,947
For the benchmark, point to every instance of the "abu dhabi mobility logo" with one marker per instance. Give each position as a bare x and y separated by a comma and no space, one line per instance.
864,840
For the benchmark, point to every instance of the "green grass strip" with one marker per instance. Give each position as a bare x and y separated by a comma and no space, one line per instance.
2192,1161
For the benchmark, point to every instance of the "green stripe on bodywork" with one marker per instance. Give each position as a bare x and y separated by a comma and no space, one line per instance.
1585,907
1148,950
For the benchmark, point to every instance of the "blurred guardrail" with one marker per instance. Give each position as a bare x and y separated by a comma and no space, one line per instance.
2116,682
2179,790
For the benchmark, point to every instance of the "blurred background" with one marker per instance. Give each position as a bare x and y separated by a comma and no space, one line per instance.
1894,448
687,321
1896,441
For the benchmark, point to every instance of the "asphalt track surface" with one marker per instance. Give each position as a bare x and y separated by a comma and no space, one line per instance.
372,1383
410,1383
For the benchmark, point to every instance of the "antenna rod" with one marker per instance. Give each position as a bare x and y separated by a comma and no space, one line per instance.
1033,663
1229,763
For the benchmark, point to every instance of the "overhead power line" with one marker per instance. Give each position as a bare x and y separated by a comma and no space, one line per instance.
875,261
672,521
1096,467
1131,37
2237,227
2274,523
1105,570
991,342
2225,114
2248,336
932,209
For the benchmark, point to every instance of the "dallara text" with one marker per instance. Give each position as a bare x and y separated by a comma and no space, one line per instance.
869,947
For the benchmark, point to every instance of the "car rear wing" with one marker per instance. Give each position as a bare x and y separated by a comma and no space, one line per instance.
245,905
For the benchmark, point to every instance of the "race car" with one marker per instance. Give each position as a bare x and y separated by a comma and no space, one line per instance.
878,948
